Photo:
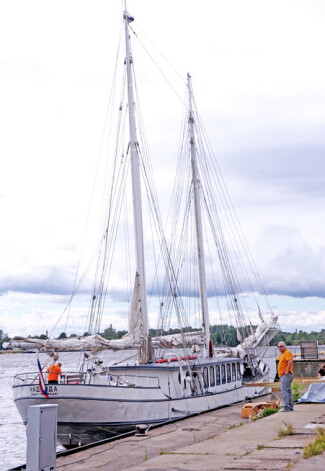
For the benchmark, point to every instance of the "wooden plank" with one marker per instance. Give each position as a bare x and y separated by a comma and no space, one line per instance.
277,385
263,385
311,381
298,379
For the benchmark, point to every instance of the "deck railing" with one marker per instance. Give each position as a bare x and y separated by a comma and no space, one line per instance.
300,355
66,378
74,377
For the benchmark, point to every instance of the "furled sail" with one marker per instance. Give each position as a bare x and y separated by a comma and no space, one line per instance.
134,335
263,335
186,338
70,344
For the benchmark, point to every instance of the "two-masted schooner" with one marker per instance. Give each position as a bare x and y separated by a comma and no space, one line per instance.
160,383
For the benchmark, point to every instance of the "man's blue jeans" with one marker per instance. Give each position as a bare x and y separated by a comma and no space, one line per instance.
286,391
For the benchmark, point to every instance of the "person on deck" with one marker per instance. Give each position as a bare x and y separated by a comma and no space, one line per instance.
285,372
53,373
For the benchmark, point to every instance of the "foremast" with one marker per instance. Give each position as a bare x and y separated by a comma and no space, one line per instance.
198,224
136,192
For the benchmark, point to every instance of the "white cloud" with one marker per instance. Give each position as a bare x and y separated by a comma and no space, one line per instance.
258,77
302,320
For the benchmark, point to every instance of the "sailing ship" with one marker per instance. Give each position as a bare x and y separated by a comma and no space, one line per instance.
159,383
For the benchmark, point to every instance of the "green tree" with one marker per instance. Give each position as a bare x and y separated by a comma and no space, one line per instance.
109,333
121,333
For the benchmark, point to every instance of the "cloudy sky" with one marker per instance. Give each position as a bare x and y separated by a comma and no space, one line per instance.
259,79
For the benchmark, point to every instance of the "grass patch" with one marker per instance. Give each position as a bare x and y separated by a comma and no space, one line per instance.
317,446
260,447
268,411
264,413
297,391
235,426
288,429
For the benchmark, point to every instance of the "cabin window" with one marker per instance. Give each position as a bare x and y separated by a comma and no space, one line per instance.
238,371
205,377
217,375
212,378
228,373
233,371
223,374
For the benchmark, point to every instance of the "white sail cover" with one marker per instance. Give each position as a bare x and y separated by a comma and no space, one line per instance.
134,335
265,332
187,338
93,342
70,344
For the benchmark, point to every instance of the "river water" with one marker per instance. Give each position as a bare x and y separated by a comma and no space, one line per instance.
12,431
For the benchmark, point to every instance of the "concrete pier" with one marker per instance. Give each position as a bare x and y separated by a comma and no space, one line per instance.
217,440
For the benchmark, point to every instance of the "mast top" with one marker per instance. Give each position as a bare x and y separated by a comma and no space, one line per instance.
126,14
128,17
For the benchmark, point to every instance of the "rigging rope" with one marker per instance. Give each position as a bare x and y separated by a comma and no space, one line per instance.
78,281
159,69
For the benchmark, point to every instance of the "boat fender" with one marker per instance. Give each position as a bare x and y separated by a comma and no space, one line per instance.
164,360
187,380
141,430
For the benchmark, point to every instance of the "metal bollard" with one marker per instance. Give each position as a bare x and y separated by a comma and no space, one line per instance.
41,438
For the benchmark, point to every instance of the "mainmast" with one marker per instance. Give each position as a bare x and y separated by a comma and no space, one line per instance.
198,223
136,191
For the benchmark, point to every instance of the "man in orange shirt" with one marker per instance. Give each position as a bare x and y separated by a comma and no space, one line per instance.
285,372
53,373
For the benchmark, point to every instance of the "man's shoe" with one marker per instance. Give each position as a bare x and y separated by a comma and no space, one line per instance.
283,410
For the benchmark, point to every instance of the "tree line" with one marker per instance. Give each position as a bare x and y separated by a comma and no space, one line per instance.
294,338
